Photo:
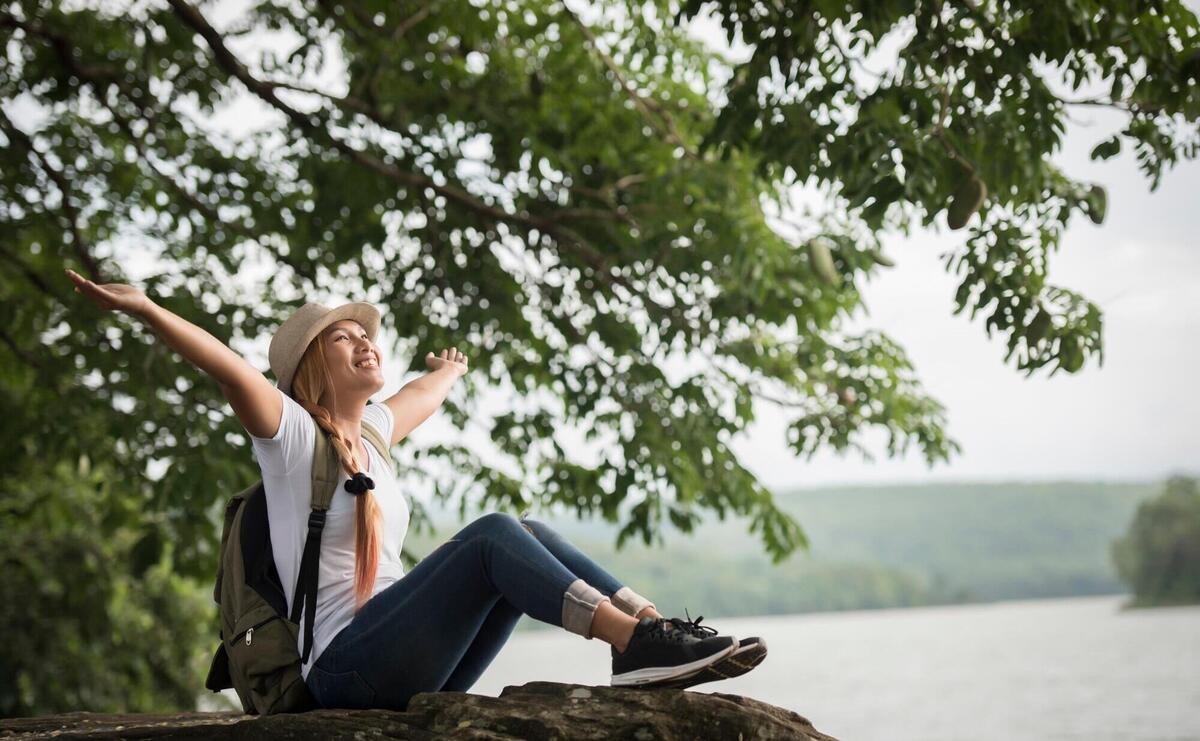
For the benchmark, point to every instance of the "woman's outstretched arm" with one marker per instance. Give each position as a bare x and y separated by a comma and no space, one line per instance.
421,397
254,399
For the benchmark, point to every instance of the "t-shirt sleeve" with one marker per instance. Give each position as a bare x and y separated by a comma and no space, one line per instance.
292,443
380,415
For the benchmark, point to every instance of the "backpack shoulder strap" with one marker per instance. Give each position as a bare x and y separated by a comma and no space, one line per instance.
324,483
377,439
324,469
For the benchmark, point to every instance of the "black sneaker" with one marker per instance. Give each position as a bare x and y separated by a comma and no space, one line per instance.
749,653
659,652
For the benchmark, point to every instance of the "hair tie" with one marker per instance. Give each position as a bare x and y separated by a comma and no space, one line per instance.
359,483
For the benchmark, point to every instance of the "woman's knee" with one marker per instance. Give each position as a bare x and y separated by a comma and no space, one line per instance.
538,529
501,524
498,522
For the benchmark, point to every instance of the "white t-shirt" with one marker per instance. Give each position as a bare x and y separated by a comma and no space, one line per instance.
286,463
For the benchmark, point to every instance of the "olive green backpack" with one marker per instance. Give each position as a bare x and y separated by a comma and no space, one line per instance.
258,656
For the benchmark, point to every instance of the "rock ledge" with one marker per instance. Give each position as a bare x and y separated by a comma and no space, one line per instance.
533,711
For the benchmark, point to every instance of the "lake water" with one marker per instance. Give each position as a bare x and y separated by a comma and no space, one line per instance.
1045,669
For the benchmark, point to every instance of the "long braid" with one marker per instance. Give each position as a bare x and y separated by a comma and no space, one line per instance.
310,381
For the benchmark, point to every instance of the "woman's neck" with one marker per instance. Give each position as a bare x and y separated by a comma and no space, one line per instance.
348,418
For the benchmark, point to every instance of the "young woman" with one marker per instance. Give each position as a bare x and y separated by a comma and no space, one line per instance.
381,635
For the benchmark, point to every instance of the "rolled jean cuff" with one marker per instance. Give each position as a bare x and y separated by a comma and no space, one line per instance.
630,602
579,607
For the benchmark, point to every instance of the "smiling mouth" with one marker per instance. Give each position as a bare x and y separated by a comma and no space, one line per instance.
371,364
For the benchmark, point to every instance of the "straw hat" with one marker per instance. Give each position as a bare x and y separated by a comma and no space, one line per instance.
292,337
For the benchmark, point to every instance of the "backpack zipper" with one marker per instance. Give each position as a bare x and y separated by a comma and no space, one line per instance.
249,633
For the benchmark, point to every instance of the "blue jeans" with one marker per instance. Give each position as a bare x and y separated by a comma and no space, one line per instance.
442,623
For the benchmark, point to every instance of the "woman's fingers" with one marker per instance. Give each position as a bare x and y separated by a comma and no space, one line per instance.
451,354
82,283
87,288
96,293
110,296
77,279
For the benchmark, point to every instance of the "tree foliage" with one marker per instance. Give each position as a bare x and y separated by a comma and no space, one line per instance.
576,196
96,616
1159,556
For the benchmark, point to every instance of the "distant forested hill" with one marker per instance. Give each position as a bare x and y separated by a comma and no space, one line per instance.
995,541
881,547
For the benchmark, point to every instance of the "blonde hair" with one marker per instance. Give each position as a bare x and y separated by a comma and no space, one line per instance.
311,380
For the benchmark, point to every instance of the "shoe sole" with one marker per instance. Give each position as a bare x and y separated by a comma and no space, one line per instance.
734,665
655,675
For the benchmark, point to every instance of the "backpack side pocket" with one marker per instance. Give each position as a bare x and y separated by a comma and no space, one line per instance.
218,672
263,658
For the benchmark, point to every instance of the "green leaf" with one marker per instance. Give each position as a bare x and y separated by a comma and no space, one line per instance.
1097,204
1107,149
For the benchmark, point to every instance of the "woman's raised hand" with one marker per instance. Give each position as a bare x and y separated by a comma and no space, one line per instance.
451,357
111,296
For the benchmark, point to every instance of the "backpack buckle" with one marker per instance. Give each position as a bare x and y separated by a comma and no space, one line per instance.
316,520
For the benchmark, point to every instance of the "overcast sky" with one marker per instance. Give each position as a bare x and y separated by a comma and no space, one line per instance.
1133,419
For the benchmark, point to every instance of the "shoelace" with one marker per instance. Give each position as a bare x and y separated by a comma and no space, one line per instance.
659,631
693,627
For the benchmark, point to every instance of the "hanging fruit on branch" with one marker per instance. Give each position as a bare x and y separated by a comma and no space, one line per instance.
821,257
966,201
881,259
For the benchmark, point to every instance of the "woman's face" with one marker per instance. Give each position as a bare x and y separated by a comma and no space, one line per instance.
355,364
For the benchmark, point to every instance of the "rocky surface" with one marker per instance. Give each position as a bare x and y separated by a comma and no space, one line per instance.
537,710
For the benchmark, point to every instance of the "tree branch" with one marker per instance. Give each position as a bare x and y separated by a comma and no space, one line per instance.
1127,106
31,275
96,76
66,49
349,102
79,243
393,41
311,124
21,354
651,111
939,132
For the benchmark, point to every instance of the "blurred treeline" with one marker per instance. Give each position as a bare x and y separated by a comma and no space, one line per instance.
874,547
1160,555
